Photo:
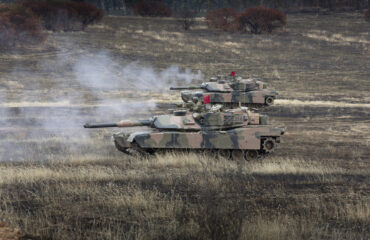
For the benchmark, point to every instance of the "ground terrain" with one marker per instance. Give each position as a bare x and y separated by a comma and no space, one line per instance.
59,181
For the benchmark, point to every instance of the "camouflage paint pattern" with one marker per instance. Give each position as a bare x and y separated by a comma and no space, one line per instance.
248,138
231,129
240,91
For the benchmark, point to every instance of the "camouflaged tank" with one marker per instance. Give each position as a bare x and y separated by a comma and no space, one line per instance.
232,91
232,133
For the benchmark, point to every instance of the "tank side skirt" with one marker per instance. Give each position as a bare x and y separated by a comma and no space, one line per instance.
253,97
244,138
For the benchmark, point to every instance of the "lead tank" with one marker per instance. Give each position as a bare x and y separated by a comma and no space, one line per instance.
232,92
233,133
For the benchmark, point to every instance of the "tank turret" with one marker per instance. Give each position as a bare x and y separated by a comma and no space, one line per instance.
237,133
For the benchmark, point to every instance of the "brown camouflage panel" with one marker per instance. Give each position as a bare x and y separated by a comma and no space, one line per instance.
128,123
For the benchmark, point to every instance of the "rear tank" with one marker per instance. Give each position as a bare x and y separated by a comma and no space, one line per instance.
233,133
232,92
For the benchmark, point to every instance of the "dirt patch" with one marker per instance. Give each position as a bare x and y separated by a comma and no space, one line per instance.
8,233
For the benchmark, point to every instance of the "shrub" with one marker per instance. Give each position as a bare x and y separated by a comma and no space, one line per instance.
260,19
54,15
221,18
367,15
152,9
65,16
19,26
187,19
88,13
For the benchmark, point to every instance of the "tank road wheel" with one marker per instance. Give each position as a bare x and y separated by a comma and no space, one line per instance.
237,154
269,145
269,101
224,153
251,155
210,153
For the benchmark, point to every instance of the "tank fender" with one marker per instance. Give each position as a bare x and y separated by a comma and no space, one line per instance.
132,137
272,132
120,139
263,92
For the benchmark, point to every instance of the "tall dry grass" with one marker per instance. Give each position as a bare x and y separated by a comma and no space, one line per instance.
183,196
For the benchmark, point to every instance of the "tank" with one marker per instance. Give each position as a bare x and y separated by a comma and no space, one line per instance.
233,133
232,92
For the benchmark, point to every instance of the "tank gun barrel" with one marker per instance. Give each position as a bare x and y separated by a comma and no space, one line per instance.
100,125
123,123
185,88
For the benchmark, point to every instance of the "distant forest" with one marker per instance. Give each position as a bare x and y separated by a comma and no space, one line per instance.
203,5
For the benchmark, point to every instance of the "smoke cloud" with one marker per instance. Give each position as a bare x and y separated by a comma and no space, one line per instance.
100,71
69,91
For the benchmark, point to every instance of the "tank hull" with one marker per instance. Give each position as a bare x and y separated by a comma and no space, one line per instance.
236,98
247,138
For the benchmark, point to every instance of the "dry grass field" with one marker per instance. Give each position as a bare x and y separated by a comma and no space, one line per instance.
60,181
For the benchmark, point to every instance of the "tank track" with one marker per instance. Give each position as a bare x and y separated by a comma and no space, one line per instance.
235,155
268,145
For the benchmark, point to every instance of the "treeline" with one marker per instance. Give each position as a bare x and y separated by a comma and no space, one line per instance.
25,22
126,6
205,5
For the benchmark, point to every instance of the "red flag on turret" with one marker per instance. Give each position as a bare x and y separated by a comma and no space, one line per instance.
206,99
232,74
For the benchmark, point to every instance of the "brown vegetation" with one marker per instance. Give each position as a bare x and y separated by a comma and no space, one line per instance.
203,5
152,9
256,20
66,16
8,233
260,19
182,196
223,18
19,27
23,24
367,15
